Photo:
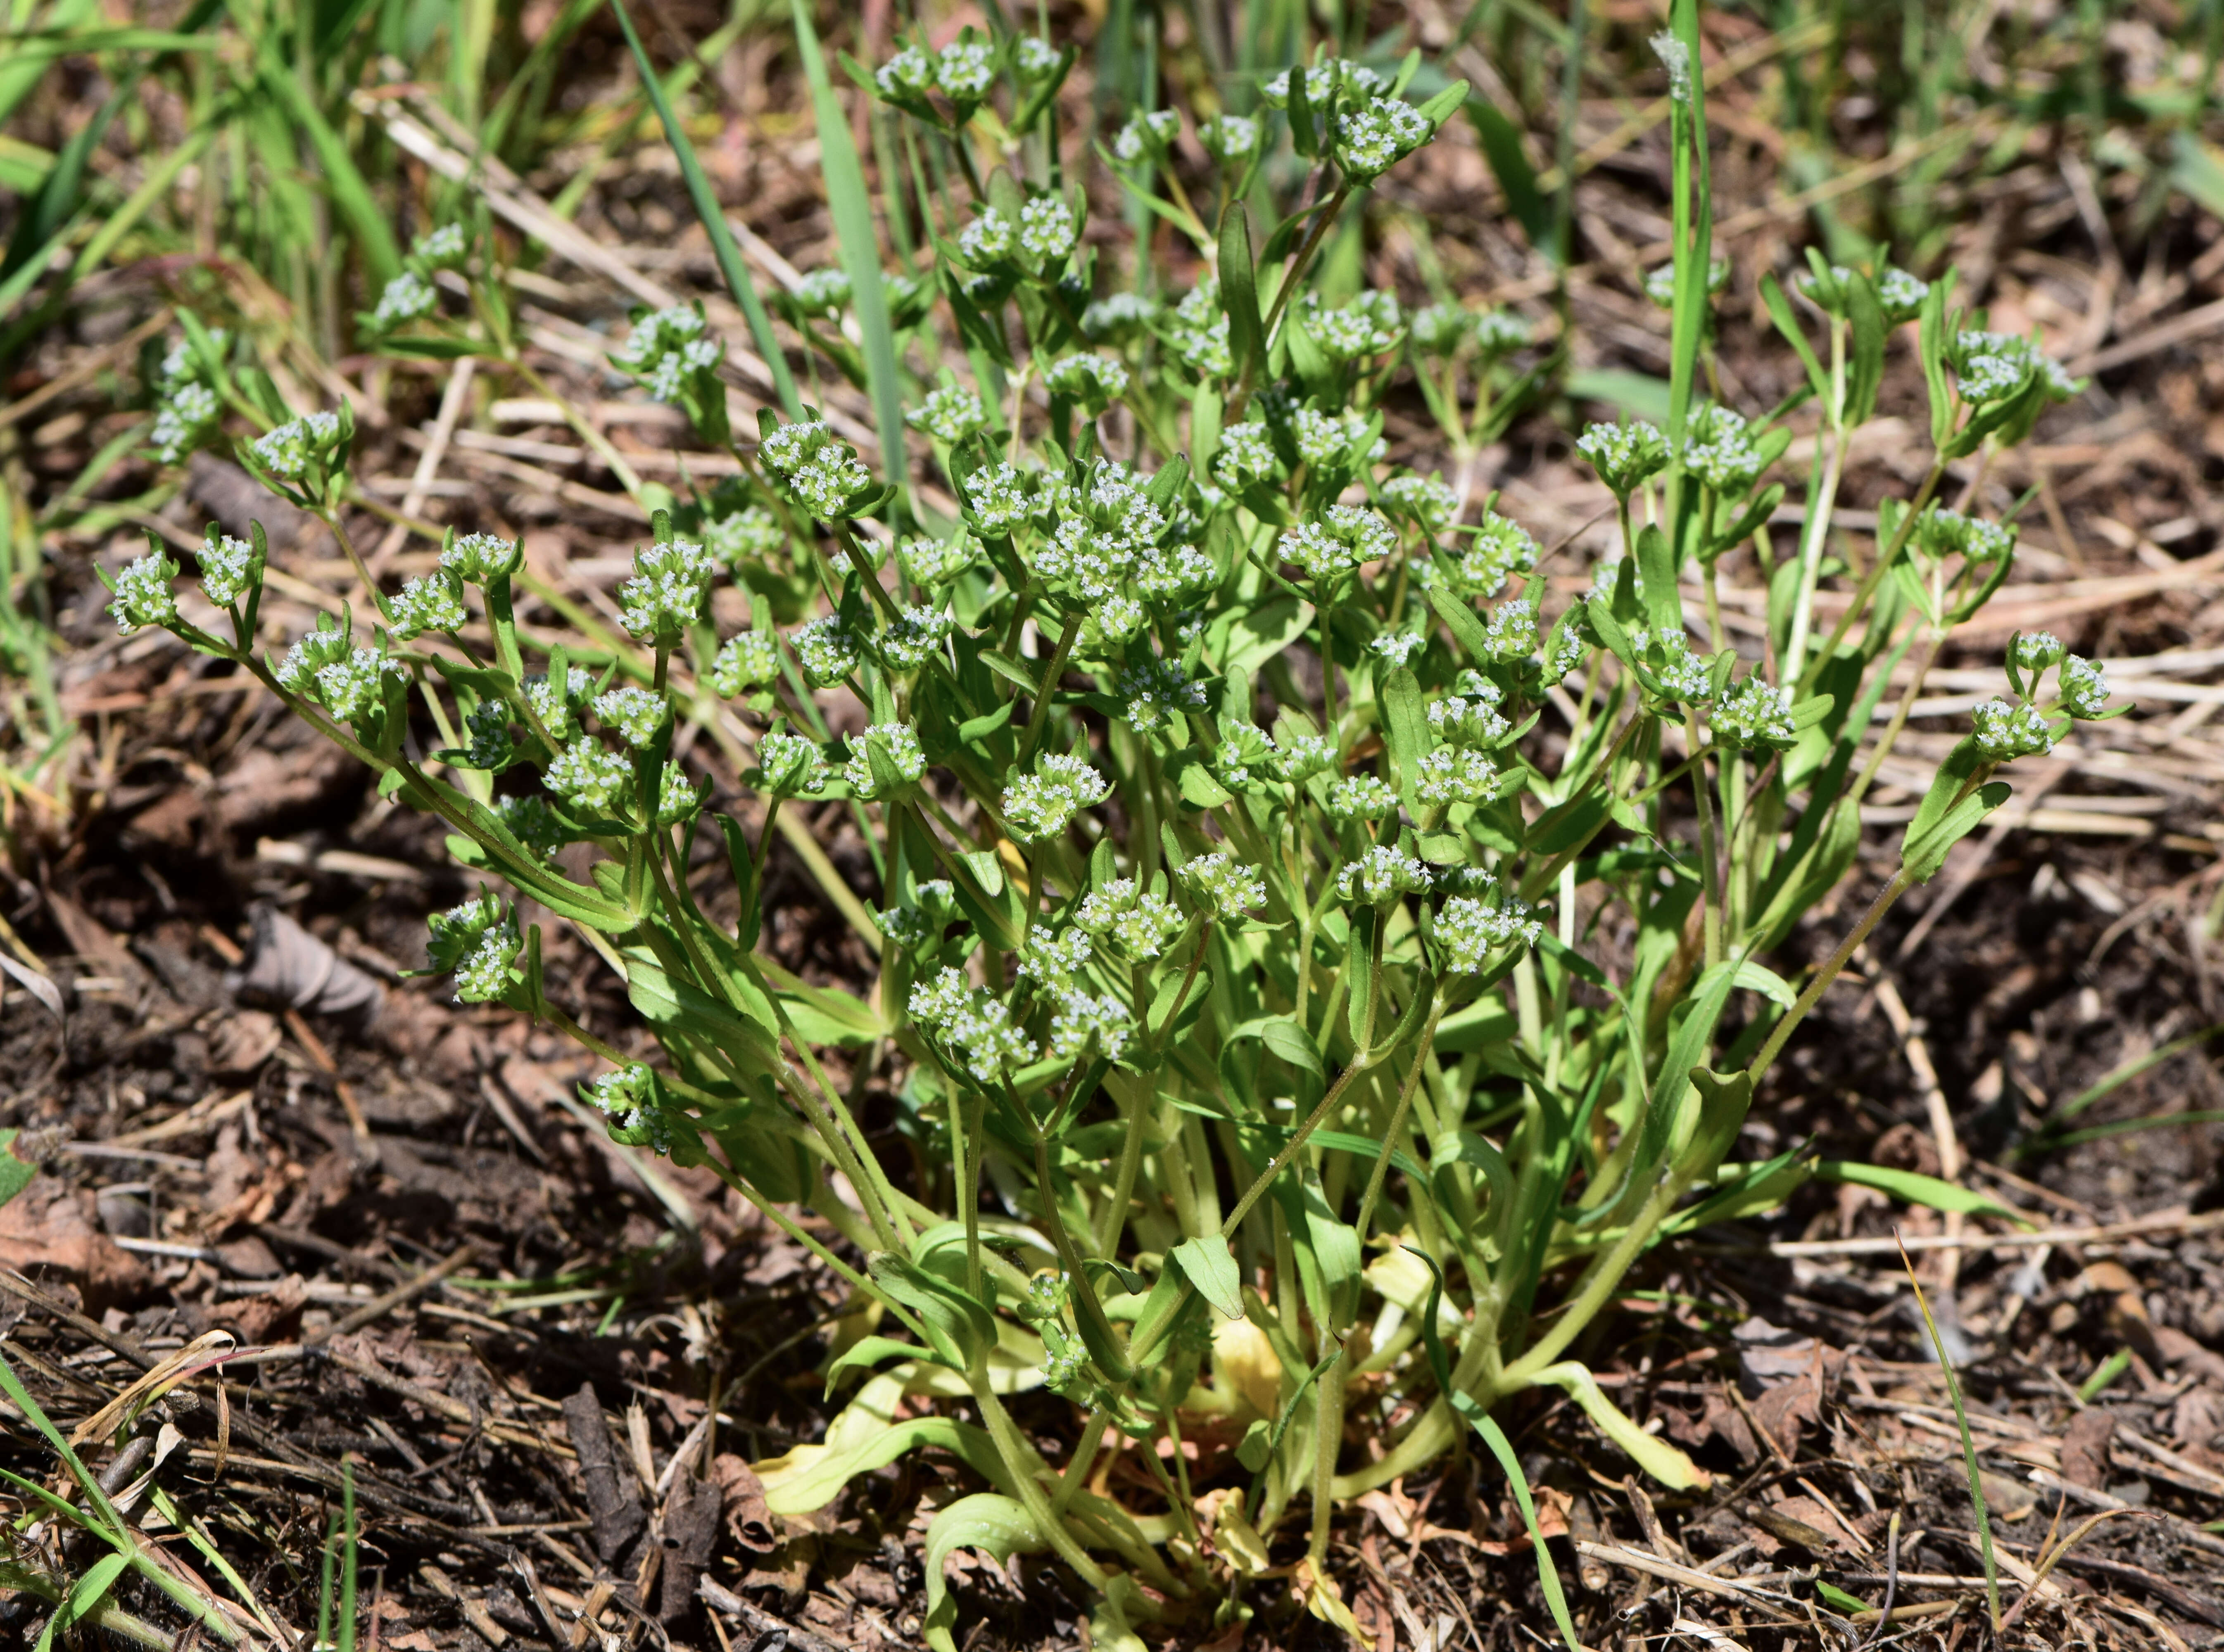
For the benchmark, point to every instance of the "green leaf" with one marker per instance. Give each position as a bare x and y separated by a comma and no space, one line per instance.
84,1595
366,219
870,1351
1509,164
998,1526
1779,311
713,218
15,1174
1261,1442
1283,1037
1915,1189
1639,394
1654,1455
1865,362
1210,1266
1923,859
865,1436
1656,580
958,1325
1404,727
851,205
1239,286
1463,1404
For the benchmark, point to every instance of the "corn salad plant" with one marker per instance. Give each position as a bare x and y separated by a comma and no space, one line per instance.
1247,812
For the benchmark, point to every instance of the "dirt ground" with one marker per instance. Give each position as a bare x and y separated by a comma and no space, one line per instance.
550,1361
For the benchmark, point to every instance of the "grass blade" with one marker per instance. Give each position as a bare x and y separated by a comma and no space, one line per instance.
1968,1444
714,222
851,203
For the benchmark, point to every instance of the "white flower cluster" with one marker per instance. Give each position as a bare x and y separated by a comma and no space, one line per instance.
1042,804
913,637
290,450
1337,541
1247,455
1228,137
671,581
143,596
2006,731
1468,931
1372,139
749,534
490,746
1427,500
827,650
1146,136
747,661
229,569
1500,548
1334,441
475,559
1223,884
1382,875
186,407
2036,651
1509,634
589,776
814,468
1682,676
632,714
788,766
1624,454
938,562
1368,324
897,746
1077,1018
353,689
1052,960
628,1098
1362,796
668,349
1048,230
1139,924
1990,366
1399,647
823,292
1197,331
2084,688
477,939
1755,714
1105,554
407,297
972,1025
1455,774
185,416
558,706
532,823
444,249
1469,720
434,602
1720,451
1119,316
1096,382
1035,59
1942,532
950,415
1152,692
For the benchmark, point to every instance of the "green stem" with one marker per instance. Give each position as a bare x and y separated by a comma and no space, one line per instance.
1900,885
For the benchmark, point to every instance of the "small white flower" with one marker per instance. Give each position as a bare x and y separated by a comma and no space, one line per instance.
1624,454
670,581
950,415
632,714
823,292
1229,138
1041,805
1095,381
558,706
2006,731
1754,713
1469,931
407,297
964,70
1371,139
789,765
143,596
671,350
813,468
1426,499
2084,688
476,557
988,239
915,636
354,688
1399,647
827,651
589,776
1080,1019
897,745
1451,774
749,534
434,602
745,662
229,569
1382,875
1362,796
1227,888
1368,324
1139,924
